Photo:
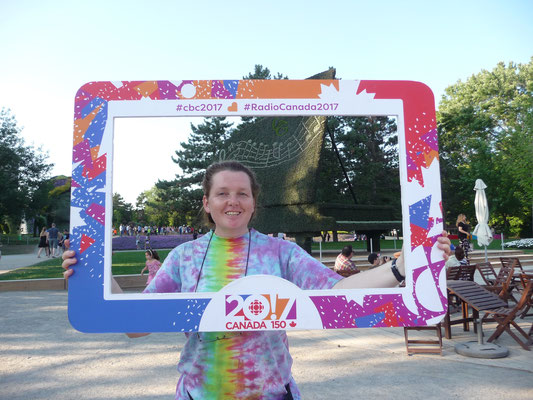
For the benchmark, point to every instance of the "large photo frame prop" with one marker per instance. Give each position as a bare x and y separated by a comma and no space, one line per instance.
93,308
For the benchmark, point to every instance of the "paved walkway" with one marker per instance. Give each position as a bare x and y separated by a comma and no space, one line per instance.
11,262
43,357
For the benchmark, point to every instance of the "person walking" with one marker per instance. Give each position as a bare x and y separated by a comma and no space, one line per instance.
43,243
463,232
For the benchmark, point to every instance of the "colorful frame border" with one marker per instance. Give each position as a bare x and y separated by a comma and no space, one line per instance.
92,307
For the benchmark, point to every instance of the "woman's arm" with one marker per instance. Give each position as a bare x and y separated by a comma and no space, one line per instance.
381,276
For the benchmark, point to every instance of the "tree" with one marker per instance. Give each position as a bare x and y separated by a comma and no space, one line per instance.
22,170
368,149
485,126
122,211
201,148
261,72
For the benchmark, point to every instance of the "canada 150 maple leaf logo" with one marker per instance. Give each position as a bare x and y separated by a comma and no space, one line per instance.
260,311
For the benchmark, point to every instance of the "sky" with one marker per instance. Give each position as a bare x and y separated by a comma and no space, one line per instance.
49,49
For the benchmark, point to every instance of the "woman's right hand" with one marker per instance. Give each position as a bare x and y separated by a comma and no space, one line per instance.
68,261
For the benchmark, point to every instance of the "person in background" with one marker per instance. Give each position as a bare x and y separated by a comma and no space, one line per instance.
463,233
153,264
43,243
344,262
66,240
147,241
53,234
457,259
376,260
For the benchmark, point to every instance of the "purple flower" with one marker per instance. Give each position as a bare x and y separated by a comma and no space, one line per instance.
156,241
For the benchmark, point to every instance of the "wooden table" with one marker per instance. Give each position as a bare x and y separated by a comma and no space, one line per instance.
471,295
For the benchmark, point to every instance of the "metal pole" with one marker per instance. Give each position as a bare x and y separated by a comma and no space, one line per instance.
486,258
502,241
479,330
320,249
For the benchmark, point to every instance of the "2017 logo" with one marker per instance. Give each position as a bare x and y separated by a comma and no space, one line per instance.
255,311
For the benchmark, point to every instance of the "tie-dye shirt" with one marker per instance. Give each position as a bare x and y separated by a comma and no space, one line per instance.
247,365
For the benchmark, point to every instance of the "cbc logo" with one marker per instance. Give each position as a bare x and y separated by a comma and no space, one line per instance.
258,307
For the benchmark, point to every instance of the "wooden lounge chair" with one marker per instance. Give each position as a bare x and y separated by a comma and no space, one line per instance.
525,278
505,317
512,261
504,279
487,272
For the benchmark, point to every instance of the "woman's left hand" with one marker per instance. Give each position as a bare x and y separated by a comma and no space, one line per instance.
444,244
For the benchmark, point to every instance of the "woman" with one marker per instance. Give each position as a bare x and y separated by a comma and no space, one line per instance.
463,234
240,365
43,243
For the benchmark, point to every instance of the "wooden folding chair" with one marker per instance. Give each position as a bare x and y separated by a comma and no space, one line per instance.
466,272
452,273
505,317
461,273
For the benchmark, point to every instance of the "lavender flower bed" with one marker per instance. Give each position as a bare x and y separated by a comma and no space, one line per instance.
156,241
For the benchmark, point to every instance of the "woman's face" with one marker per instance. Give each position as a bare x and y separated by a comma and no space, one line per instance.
230,203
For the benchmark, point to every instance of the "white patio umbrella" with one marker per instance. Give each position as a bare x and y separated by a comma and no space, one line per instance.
482,230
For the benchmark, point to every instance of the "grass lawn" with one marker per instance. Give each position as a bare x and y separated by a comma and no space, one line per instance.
124,263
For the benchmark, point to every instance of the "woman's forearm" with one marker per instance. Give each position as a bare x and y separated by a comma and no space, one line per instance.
378,277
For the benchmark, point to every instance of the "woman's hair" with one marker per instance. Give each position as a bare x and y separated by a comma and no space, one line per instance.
460,218
234,166
153,254
43,230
